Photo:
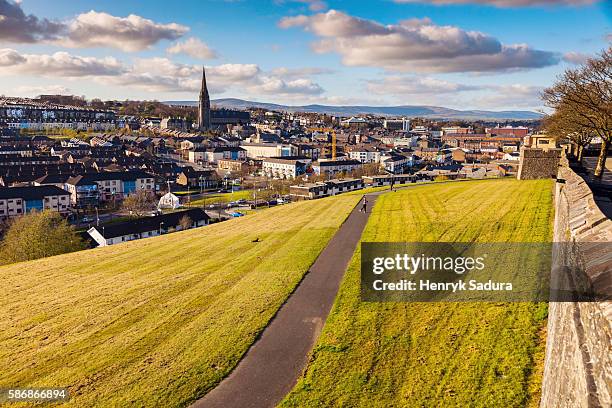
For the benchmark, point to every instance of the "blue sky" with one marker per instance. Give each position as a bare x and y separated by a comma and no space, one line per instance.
477,54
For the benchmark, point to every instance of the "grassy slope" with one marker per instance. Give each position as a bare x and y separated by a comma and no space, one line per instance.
156,322
221,198
435,354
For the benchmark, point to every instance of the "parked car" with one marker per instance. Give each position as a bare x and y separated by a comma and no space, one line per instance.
237,214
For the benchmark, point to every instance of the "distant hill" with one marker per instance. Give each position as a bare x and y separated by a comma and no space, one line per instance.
431,112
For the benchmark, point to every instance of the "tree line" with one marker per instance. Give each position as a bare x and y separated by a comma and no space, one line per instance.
581,100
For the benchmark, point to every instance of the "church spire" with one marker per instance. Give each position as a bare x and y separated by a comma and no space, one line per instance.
204,105
203,88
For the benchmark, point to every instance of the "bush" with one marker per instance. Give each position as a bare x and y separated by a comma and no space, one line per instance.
38,235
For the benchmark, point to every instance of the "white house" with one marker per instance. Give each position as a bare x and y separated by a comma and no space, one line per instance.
335,166
169,200
365,154
147,227
284,167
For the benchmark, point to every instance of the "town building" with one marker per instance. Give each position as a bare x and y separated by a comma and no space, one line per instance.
339,186
147,227
32,114
261,150
332,167
285,167
364,154
397,163
519,131
90,189
386,180
232,165
356,123
457,130
202,179
397,124
224,117
308,191
183,124
16,201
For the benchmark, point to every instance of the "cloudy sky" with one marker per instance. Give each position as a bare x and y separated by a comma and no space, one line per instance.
469,54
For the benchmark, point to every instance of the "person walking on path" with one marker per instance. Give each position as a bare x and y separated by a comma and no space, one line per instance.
364,205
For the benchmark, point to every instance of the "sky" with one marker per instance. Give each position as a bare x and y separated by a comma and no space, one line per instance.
463,54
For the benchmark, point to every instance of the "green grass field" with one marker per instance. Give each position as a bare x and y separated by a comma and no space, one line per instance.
436,354
160,321
221,198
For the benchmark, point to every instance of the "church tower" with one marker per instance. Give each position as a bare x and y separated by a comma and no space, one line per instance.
204,105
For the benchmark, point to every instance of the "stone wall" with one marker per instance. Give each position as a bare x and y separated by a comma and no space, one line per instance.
578,362
538,163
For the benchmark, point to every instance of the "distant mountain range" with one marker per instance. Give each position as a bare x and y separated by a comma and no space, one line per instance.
431,112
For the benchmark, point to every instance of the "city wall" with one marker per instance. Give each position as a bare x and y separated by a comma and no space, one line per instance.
538,163
578,362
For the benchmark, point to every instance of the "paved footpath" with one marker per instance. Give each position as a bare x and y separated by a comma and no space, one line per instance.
272,365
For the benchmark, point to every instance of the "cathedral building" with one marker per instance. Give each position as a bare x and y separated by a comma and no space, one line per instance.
204,105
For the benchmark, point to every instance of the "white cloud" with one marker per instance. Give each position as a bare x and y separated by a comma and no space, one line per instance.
59,64
131,33
164,75
156,75
278,86
506,3
164,67
300,72
31,91
412,85
193,47
313,5
576,58
415,45
232,72
91,29
154,83
515,96
17,27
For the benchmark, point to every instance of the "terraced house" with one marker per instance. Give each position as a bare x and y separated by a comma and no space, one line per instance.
285,167
94,188
16,201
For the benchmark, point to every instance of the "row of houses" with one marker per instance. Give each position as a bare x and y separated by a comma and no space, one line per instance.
147,227
310,191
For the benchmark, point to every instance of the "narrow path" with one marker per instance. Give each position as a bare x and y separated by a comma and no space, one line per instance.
272,365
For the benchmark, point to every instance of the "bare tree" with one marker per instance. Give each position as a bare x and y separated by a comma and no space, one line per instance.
185,222
586,92
139,202
562,124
